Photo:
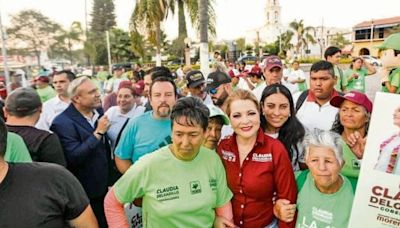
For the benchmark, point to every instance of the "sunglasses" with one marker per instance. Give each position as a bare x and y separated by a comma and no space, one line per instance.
213,91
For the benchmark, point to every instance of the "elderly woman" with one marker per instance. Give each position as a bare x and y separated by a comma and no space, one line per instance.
257,165
325,197
182,184
389,160
352,123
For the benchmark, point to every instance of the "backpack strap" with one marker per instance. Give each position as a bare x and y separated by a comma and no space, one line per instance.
301,179
301,99
119,134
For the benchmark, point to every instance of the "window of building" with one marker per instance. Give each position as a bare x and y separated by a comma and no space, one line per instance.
363,34
380,33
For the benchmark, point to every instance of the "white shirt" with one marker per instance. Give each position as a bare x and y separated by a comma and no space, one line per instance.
50,110
312,115
95,117
208,100
295,75
117,120
257,91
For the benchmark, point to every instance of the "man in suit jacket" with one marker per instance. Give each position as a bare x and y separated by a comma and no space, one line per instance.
81,129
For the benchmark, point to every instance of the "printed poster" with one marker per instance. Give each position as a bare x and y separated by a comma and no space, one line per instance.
377,200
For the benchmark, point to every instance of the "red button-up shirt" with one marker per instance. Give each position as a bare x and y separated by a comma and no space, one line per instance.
265,170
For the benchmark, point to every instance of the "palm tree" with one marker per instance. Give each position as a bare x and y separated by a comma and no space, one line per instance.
302,34
148,16
203,22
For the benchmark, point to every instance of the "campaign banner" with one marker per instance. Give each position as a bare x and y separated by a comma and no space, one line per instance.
377,199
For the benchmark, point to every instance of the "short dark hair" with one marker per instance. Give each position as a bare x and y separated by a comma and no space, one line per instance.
194,111
331,51
396,52
3,138
323,65
216,119
70,75
163,79
159,71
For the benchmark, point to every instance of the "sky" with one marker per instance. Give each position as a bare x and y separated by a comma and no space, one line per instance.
234,17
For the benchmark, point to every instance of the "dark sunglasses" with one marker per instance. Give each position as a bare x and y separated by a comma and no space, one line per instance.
213,91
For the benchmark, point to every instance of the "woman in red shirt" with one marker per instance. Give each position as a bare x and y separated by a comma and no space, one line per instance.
257,166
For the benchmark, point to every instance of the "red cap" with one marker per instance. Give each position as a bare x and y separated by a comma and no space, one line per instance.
272,61
255,70
234,73
355,97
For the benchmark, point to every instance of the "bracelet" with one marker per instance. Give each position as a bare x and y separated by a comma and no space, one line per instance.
98,133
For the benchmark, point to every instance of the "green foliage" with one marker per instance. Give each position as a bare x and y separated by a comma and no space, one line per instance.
241,44
33,31
271,49
120,44
103,16
339,40
303,35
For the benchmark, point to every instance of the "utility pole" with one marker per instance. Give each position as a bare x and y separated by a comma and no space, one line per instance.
108,51
4,53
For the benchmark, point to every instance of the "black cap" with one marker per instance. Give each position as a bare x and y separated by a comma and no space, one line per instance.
194,78
23,101
217,78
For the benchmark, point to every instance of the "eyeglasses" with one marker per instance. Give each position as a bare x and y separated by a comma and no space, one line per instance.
213,91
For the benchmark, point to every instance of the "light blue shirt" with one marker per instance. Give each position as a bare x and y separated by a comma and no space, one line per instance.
143,135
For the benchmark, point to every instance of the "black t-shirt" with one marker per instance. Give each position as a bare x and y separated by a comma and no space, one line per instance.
43,146
40,195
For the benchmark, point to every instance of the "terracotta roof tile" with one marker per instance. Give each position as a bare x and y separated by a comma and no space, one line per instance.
383,21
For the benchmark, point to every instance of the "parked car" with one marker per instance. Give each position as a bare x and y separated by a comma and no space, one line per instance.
248,58
372,60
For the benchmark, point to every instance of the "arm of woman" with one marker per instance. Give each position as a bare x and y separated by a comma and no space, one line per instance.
224,216
371,69
284,180
114,211
284,210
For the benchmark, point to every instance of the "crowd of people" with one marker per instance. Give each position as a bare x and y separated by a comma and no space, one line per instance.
242,146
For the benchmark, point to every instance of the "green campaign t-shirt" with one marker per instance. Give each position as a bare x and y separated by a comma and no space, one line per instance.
341,79
351,167
394,79
46,93
316,209
16,149
176,193
356,83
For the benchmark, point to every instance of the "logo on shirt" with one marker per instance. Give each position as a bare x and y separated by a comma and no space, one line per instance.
167,193
262,157
213,184
229,156
195,187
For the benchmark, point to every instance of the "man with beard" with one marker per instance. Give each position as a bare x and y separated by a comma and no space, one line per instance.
81,129
151,130
219,87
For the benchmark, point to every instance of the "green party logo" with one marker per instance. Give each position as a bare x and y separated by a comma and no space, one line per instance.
195,187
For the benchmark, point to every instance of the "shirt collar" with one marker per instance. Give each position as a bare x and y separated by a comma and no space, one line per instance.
311,96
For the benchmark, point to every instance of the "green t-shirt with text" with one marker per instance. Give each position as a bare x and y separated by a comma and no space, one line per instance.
319,210
356,83
176,193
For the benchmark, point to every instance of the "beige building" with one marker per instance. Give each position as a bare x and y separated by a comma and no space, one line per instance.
364,43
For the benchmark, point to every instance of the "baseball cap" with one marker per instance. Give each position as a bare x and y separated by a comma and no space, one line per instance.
139,87
272,61
234,73
215,111
194,78
255,70
355,97
44,79
24,101
391,42
217,78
